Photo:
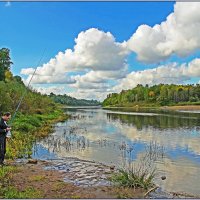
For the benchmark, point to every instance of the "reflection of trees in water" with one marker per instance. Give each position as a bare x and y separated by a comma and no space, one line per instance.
157,121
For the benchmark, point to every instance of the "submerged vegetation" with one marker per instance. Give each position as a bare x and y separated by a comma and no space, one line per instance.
157,95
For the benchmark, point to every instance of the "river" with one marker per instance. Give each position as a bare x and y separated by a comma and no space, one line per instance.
167,141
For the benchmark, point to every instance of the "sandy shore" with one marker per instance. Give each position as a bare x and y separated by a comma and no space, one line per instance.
186,107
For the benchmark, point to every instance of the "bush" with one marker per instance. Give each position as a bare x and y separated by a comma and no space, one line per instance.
193,99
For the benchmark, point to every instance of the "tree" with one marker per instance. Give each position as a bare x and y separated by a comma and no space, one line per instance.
5,62
151,94
8,76
18,79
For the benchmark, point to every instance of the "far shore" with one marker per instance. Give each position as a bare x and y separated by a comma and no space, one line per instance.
178,107
186,107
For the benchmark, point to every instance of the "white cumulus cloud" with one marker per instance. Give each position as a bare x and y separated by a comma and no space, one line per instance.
94,50
179,35
56,79
48,90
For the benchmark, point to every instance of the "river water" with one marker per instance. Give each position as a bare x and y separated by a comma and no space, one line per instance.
168,142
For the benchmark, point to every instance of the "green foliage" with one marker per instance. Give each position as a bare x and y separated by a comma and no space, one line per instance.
5,171
33,102
13,193
5,64
67,100
5,175
158,95
35,111
25,130
18,79
12,89
20,145
5,98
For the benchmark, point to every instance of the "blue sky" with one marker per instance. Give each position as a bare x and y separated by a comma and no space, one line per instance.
28,28
33,26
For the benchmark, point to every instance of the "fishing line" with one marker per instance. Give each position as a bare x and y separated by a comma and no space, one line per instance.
26,89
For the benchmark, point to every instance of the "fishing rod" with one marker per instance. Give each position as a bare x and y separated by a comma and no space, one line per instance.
25,91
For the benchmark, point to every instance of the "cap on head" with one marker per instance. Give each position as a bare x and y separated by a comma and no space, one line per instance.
7,114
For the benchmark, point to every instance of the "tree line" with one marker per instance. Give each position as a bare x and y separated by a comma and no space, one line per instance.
160,95
67,100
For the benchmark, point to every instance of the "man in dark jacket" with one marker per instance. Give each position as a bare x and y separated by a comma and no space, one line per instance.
4,129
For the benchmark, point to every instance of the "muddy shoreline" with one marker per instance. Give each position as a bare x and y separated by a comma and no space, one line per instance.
52,179
75,178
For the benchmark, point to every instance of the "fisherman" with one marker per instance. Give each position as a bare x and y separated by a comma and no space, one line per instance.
4,130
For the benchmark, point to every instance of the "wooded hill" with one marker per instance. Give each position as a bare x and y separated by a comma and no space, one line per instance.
157,95
71,101
12,89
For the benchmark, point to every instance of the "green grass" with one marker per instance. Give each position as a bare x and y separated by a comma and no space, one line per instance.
188,103
27,128
132,179
5,170
13,193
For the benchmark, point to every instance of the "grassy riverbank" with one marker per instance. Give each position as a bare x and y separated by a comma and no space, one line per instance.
27,128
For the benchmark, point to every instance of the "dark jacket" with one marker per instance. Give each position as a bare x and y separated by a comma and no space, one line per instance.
3,126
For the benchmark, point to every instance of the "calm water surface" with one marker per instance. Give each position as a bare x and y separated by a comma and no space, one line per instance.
167,141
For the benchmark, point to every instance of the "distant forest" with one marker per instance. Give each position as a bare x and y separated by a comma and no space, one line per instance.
157,95
71,101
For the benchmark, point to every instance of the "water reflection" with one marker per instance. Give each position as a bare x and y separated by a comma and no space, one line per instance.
156,121
165,140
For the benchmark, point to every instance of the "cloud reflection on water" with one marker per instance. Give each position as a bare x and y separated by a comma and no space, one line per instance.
106,131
